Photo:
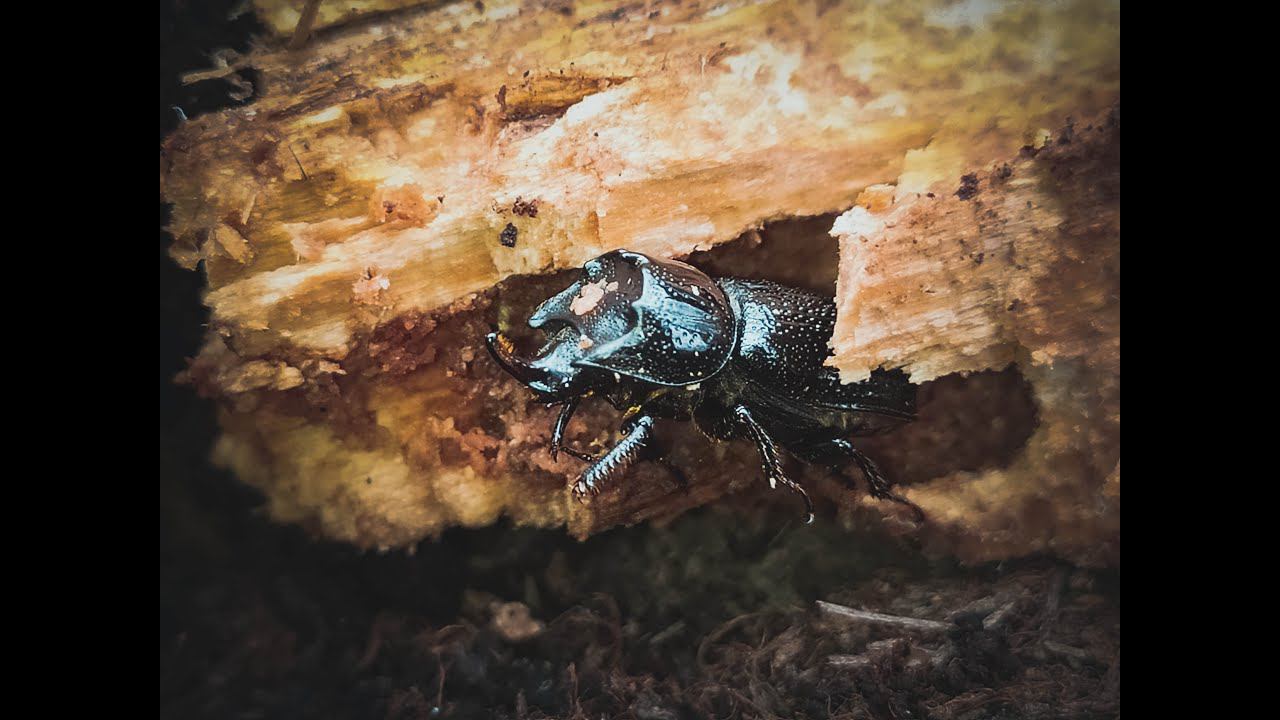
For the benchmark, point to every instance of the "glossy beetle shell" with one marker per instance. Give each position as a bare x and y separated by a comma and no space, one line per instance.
657,321
741,358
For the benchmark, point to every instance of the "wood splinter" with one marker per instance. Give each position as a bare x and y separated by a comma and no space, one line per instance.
900,621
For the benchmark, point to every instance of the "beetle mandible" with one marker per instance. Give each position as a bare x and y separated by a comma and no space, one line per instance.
740,358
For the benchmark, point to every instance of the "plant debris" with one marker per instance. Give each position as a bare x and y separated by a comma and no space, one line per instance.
968,186
724,613
508,236
527,208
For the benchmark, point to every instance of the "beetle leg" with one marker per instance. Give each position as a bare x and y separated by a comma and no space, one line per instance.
877,483
557,432
649,452
614,464
584,457
880,487
771,458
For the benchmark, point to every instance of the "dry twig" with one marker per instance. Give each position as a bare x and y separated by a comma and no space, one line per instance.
900,621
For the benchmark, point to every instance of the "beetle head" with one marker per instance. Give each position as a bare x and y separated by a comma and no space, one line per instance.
658,321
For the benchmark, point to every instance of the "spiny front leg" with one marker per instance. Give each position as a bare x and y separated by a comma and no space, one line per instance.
771,458
614,464
650,452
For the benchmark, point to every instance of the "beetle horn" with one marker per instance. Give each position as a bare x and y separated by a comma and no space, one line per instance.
503,351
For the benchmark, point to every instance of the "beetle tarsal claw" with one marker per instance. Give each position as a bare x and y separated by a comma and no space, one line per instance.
581,489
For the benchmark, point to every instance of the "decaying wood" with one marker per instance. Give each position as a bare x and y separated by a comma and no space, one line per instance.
1019,265
350,222
282,17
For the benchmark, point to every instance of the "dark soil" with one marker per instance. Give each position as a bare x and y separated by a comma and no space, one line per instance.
712,616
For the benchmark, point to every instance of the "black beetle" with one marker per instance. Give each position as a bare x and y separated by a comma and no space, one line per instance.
661,339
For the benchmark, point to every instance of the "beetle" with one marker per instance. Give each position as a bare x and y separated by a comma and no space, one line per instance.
660,339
